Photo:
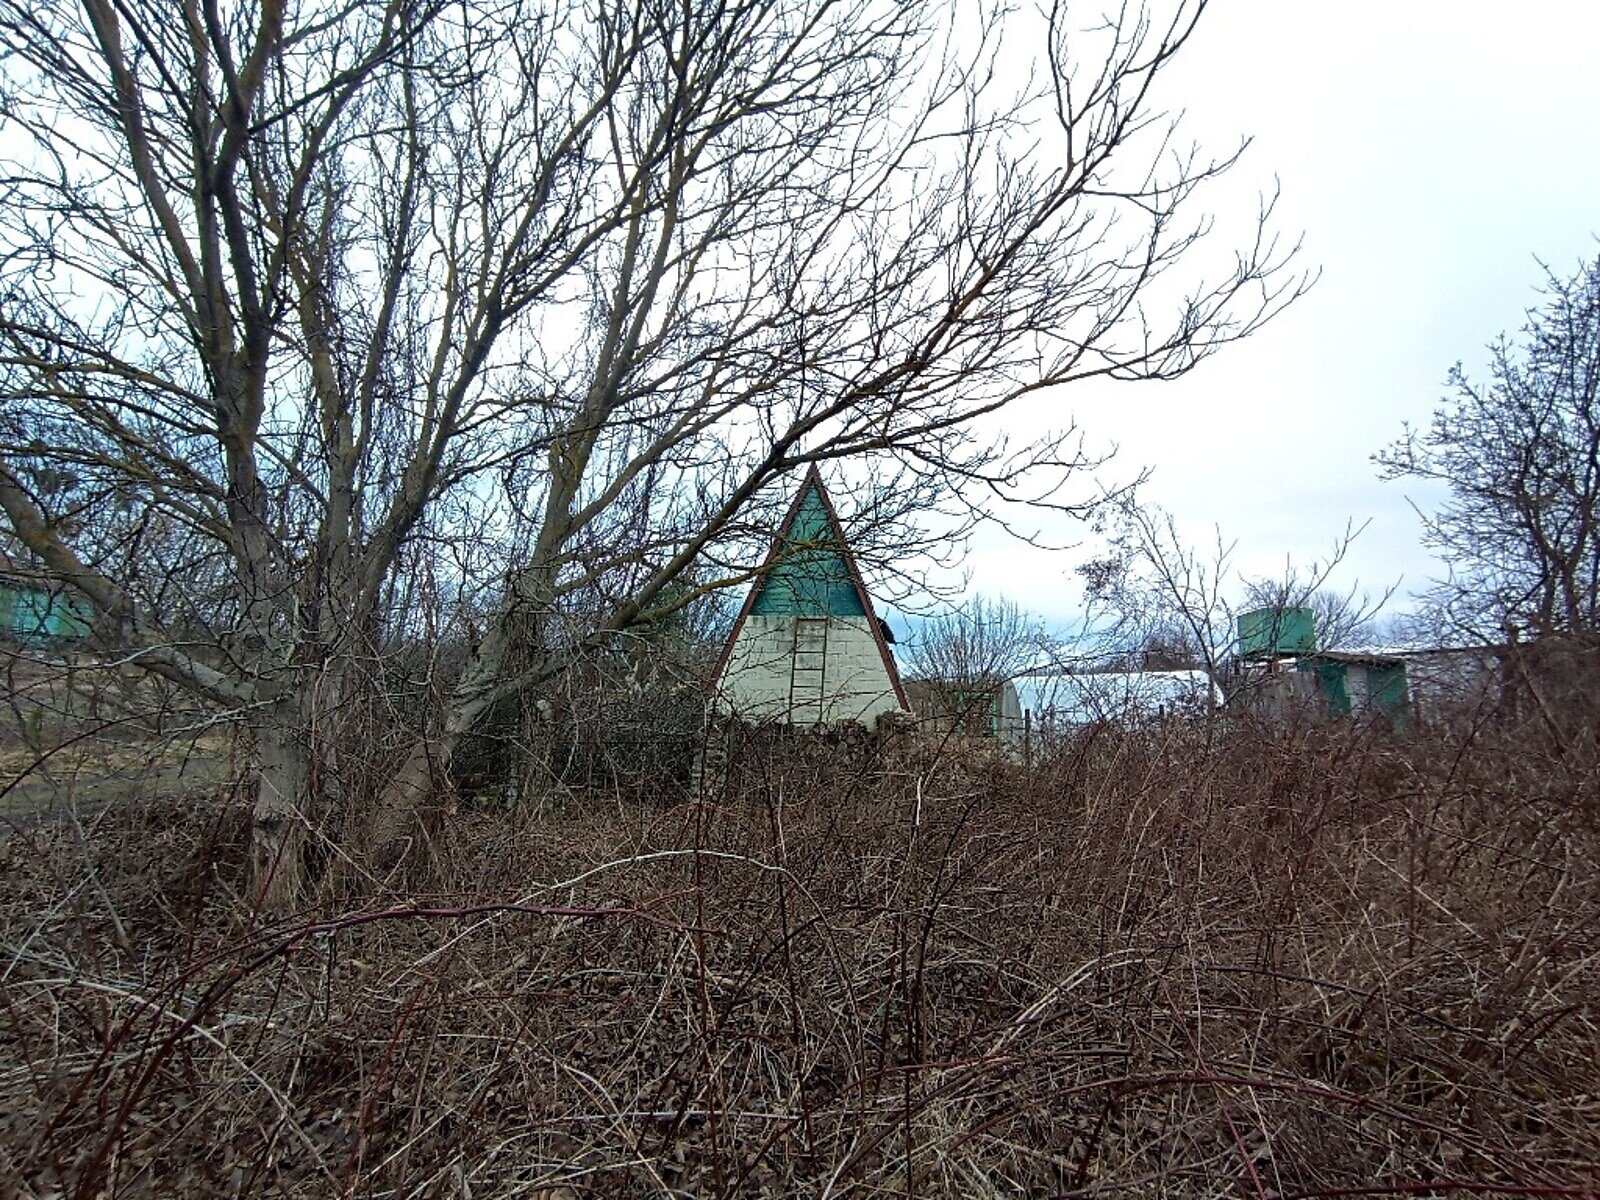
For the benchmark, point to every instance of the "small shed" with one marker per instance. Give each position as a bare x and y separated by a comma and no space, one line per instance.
1457,683
807,648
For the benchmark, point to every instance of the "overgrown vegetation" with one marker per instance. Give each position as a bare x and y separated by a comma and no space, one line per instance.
1182,959
328,329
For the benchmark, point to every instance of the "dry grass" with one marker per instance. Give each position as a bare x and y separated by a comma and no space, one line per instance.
1159,963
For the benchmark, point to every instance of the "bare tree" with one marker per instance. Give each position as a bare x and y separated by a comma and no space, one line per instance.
1343,619
1153,589
343,296
1156,593
960,658
1521,458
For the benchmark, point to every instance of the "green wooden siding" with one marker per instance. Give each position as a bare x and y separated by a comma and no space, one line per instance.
1385,693
812,576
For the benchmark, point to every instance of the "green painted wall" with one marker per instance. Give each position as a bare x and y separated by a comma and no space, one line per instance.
1330,683
812,578
1388,694
1386,691
38,614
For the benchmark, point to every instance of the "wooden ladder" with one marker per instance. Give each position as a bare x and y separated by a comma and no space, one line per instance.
808,664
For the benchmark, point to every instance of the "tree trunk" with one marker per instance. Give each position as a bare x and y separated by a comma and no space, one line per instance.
396,827
279,820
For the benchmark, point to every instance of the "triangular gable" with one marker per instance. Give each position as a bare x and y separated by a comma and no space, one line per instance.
810,572
812,575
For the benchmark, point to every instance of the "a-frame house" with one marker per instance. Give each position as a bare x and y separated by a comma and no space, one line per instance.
807,647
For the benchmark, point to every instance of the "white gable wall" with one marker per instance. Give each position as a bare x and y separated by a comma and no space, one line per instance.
759,674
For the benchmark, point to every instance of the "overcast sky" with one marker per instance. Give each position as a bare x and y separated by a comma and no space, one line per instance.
1431,153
